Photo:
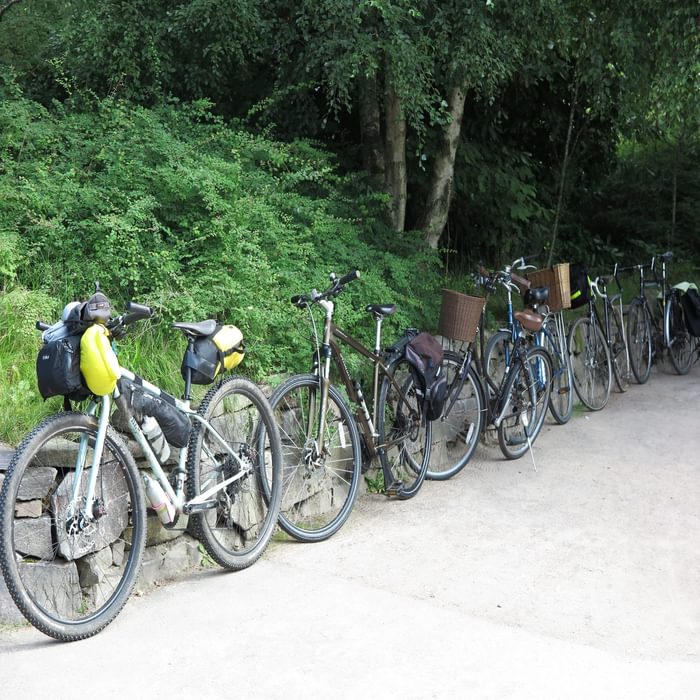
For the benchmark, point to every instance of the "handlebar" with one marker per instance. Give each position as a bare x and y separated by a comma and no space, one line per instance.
117,326
336,287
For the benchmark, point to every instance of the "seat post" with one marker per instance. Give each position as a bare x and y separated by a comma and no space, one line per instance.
378,334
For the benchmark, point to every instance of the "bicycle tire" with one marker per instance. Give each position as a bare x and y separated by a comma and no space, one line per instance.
402,424
619,352
236,531
497,354
590,364
561,397
526,392
70,579
317,498
639,341
676,335
456,434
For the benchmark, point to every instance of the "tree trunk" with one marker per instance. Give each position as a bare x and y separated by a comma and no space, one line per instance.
371,132
437,206
395,155
564,166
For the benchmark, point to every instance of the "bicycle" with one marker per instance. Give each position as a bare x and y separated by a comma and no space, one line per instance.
515,408
551,336
598,345
73,515
648,337
325,446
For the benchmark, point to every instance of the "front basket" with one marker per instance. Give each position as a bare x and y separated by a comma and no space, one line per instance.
459,315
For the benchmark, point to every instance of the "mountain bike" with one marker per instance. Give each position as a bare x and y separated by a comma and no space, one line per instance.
551,336
515,405
73,514
325,445
650,331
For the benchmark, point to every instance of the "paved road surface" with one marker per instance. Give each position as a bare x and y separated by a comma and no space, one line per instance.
580,579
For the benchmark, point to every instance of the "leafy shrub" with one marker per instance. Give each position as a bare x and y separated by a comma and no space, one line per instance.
171,207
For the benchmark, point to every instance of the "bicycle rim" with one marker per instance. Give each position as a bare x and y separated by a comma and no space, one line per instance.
68,575
561,398
456,434
318,490
239,523
527,394
678,339
619,353
590,364
639,342
404,432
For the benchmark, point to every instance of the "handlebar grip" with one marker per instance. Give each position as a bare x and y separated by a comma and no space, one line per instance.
42,326
346,279
300,300
133,307
523,283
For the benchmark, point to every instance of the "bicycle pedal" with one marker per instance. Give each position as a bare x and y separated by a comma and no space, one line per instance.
394,489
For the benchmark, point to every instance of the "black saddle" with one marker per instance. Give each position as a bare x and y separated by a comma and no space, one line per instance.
197,330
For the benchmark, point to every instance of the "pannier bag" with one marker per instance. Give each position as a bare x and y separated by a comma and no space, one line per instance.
98,361
222,350
58,361
425,354
578,281
175,425
691,306
58,369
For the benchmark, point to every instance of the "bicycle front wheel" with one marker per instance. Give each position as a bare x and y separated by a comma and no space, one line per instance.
639,341
320,473
526,395
590,364
405,433
619,353
242,447
70,572
458,430
561,398
678,342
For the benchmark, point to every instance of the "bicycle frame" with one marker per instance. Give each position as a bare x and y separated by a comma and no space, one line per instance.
331,350
497,403
176,496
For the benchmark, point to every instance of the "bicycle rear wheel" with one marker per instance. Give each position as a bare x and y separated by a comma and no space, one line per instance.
678,341
70,575
590,363
457,432
237,527
318,490
561,398
639,341
497,355
619,353
405,434
526,393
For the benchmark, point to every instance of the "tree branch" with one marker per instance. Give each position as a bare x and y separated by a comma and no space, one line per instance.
7,6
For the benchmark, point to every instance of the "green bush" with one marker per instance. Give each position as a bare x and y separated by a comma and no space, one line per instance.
173,208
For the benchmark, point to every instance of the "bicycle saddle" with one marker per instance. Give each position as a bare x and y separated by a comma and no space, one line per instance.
197,329
536,295
381,310
530,320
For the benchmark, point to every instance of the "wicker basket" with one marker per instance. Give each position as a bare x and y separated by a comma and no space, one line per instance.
557,279
459,315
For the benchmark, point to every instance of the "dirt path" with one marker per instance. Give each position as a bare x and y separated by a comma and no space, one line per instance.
578,580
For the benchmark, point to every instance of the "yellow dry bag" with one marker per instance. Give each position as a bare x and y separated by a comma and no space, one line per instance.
98,362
